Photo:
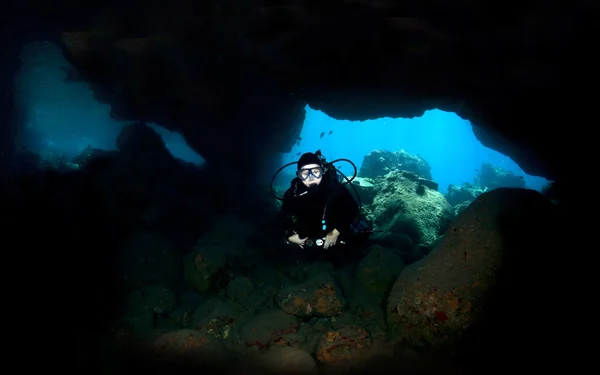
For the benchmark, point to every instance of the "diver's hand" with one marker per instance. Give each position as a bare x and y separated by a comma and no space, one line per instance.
331,238
297,240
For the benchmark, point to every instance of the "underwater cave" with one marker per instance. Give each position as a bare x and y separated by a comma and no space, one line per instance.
62,120
140,162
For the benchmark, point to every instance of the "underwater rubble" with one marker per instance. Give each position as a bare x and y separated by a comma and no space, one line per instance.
198,288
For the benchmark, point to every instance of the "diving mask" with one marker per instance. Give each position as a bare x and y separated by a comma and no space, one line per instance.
304,174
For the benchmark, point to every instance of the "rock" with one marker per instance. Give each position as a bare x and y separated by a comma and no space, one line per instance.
344,349
461,207
492,177
304,271
288,360
365,189
552,191
141,140
221,248
194,348
345,281
400,243
270,36
311,333
88,154
377,272
202,271
318,296
346,319
143,185
363,313
241,290
271,327
399,208
466,192
436,300
379,163
215,318
146,167
250,296
371,317
420,181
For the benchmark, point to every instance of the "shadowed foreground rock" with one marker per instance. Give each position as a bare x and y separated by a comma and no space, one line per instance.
481,284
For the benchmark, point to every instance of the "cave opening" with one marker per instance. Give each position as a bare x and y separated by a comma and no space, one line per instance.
146,247
442,139
61,117
63,121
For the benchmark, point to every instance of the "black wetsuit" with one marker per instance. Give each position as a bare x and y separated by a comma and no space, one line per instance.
303,211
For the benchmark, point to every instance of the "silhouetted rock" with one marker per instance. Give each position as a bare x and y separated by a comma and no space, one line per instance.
492,177
90,153
466,192
469,290
552,191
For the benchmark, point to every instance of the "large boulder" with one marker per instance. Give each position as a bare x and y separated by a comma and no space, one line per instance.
481,277
403,205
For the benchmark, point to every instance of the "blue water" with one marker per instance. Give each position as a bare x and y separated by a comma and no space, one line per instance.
442,138
64,117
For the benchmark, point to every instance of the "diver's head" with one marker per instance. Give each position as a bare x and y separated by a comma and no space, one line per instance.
310,170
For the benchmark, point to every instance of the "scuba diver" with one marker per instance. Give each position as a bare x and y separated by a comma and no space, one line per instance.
318,210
